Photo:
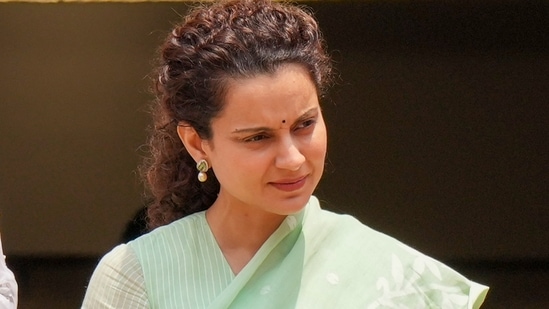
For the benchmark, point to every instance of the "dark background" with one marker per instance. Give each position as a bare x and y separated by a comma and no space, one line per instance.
437,130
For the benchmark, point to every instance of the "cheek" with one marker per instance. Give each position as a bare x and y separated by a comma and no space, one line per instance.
320,152
320,142
235,166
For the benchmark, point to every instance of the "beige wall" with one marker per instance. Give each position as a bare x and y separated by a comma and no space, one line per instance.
437,126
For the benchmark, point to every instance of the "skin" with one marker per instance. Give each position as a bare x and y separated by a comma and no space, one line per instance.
267,151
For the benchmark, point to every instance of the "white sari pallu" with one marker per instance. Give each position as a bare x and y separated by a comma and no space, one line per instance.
315,259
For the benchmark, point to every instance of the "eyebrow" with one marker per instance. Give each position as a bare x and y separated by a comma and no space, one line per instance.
304,116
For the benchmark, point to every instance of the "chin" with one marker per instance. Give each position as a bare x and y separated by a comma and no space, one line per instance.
292,205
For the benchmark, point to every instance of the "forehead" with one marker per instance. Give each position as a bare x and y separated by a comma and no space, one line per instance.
290,89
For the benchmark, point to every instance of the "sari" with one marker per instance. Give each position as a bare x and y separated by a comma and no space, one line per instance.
315,259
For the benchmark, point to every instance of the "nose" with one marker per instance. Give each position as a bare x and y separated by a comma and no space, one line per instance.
289,157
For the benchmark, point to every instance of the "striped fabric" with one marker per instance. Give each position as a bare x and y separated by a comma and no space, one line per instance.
315,259
117,282
186,250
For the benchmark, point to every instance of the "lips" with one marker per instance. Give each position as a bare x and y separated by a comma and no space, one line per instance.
289,185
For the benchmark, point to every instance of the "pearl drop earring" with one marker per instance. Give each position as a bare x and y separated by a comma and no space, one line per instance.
202,167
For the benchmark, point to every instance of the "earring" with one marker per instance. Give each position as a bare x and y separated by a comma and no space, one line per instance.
202,167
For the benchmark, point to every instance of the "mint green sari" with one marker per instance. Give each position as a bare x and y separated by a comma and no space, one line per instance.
315,259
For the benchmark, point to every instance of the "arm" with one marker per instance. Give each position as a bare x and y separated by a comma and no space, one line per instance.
117,282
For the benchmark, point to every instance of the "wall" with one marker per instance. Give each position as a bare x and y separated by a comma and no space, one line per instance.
438,122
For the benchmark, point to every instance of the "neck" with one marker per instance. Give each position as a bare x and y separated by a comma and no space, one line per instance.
240,230
235,227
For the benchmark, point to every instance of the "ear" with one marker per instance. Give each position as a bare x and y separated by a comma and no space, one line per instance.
192,141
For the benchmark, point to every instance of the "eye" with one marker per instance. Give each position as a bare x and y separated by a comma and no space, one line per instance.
256,138
306,124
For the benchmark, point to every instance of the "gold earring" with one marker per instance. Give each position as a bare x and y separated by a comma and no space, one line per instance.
202,167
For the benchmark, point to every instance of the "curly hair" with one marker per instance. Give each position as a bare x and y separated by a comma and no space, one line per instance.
214,43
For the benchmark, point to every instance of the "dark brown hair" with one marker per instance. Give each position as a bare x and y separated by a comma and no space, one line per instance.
214,43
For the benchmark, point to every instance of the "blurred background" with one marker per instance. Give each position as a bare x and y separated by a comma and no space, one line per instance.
437,134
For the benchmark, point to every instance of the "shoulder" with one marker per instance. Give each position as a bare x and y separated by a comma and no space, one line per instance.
348,234
119,258
173,245
178,233
120,263
326,225
394,268
117,282
347,228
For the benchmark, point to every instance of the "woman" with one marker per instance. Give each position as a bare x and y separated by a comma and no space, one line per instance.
237,151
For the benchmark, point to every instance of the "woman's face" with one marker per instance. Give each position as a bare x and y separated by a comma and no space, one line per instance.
269,142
